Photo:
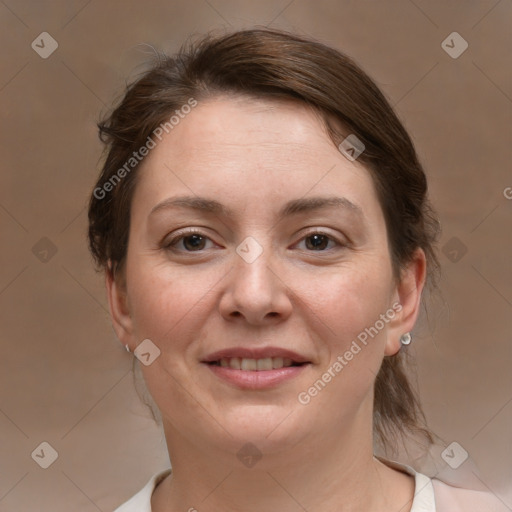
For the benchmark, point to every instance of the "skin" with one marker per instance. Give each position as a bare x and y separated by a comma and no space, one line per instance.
253,156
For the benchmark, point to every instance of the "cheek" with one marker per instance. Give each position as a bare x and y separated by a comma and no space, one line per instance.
349,303
349,300
168,307
165,301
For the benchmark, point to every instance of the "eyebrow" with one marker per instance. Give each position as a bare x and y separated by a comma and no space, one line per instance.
293,207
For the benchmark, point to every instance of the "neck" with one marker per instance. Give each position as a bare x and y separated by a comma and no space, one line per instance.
332,472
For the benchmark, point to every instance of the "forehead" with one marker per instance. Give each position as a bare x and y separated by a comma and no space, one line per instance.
266,150
228,125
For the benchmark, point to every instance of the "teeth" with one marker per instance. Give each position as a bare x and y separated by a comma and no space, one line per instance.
269,363
277,362
248,364
234,363
263,364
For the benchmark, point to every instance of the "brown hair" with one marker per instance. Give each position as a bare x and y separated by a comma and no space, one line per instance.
276,64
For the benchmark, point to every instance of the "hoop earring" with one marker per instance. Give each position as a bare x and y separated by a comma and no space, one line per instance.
406,338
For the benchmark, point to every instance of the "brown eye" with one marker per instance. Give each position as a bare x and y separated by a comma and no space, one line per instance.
188,242
193,242
317,241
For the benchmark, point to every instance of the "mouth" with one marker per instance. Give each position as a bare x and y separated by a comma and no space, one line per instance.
255,365
261,368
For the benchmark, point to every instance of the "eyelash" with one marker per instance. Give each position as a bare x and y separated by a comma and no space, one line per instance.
184,234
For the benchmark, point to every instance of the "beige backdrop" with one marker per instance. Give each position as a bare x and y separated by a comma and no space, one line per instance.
66,381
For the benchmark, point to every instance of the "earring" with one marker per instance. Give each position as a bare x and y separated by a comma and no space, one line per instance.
406,338
127,348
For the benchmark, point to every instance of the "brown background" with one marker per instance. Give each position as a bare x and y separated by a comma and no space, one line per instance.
65,379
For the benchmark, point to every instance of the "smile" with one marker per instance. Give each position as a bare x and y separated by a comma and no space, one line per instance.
246,364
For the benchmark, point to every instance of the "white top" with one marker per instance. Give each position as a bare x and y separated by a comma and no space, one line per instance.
430,495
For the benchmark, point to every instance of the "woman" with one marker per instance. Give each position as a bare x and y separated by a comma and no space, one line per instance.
262,221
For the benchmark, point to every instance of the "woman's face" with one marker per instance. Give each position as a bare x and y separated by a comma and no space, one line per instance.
289,251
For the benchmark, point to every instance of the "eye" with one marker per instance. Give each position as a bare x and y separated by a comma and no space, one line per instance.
319,241
193,240
190,241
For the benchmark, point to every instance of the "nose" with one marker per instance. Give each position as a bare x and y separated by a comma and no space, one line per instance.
256,292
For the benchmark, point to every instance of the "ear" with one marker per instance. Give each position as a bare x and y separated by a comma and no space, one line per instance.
408,295
119,307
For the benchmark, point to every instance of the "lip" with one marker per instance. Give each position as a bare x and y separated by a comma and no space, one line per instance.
253,379
255,353
250,379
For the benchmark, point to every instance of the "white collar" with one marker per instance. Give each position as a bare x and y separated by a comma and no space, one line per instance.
424,500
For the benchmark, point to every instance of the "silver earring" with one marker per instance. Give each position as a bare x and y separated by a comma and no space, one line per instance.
406,338
127,348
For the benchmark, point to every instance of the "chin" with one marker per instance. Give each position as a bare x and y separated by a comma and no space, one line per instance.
271,428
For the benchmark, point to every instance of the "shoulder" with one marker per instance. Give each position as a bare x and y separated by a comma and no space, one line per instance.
434,495
456,499
141,502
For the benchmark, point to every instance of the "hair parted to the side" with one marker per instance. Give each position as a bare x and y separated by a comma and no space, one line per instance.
274,64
